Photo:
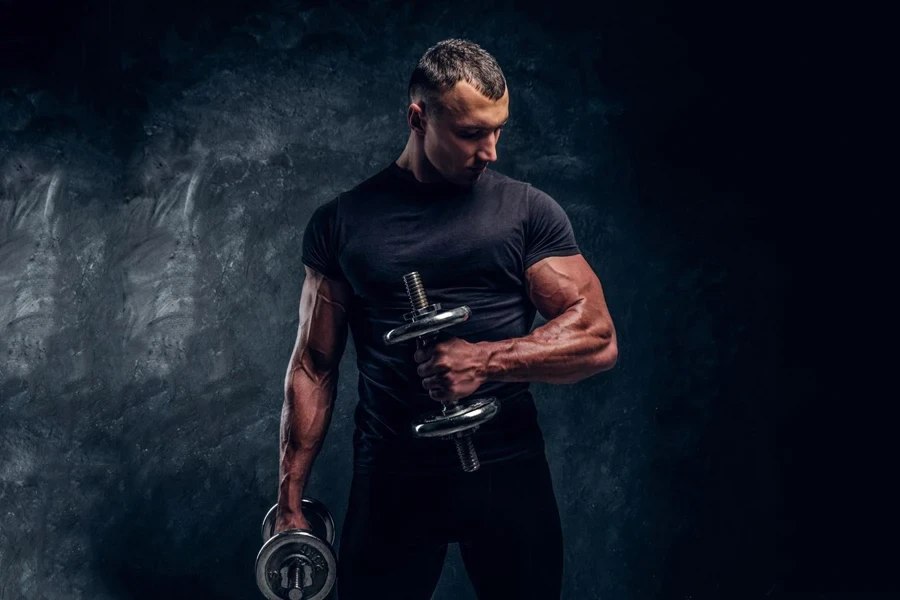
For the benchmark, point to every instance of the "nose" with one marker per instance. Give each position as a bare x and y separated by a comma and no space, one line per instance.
487,152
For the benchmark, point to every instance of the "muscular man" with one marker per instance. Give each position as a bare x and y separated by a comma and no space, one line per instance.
477,238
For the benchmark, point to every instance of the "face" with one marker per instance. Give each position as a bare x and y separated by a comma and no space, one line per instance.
463,140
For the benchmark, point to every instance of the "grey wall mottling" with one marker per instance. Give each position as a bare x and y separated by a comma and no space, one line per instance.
159,164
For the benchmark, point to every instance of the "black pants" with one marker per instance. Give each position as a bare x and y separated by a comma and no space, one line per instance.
504,517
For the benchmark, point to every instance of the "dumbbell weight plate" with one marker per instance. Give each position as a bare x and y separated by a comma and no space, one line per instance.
316,513
467,414
320,570
430,323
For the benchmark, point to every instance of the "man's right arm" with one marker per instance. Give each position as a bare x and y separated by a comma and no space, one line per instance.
310,389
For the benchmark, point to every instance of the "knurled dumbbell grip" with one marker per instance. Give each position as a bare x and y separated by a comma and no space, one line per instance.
465,449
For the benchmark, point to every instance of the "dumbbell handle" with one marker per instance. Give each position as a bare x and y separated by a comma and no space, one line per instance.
422,342
320,520
465,449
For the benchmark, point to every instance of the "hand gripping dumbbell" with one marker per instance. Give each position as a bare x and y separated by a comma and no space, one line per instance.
459,419
296,564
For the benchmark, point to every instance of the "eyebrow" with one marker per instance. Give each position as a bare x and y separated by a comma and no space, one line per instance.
482,125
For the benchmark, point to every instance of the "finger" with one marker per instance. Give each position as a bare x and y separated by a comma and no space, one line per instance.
423,354
439,394
430,368
435,382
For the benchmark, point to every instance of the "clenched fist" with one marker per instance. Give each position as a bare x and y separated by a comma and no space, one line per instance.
452,368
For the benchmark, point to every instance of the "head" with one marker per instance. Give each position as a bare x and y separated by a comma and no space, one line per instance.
458,105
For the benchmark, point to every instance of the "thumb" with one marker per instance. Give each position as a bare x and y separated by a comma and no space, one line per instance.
424,353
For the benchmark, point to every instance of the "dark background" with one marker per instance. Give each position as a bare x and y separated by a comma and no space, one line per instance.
159,162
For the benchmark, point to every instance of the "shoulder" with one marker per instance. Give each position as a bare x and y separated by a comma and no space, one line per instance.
526,190
496,178
531,203
337,202
327,211
375,183
512,193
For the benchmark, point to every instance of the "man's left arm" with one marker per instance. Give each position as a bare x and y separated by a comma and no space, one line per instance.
579,338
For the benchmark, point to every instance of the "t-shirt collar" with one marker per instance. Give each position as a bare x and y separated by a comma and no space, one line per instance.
410,182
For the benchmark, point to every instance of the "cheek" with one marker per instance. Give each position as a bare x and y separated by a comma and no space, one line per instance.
434,147
444,151
458,151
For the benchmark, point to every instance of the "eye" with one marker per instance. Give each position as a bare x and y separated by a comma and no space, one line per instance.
468,134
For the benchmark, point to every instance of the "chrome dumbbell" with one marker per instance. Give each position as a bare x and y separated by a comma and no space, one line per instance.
458,419
297,564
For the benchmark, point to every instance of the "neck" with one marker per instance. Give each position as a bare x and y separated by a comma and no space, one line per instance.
413,159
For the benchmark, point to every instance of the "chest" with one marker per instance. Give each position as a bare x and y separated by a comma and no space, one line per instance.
475,245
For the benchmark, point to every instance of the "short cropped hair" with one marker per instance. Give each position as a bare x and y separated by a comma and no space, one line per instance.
448,62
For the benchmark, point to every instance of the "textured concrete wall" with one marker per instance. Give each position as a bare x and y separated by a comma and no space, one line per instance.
159,162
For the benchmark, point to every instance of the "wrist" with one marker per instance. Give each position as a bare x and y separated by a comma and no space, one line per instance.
488,368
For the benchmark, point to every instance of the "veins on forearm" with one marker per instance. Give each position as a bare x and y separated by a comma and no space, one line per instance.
566,349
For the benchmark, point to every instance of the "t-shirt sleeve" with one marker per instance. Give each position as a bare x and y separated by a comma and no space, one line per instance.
548,231
320,242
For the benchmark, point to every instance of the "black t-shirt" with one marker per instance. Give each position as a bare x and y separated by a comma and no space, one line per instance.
471,246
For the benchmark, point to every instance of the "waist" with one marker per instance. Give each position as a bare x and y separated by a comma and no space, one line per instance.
383,436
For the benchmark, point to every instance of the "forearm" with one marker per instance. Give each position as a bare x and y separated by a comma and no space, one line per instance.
574,345
305,417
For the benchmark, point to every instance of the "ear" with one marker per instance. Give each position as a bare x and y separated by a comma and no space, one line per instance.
416,118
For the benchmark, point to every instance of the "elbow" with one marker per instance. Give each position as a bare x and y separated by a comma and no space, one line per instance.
601,360
305,378
606,358
607,354
613,356
602,354
605,344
